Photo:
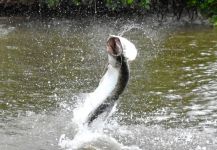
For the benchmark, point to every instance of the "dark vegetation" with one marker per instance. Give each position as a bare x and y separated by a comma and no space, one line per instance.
178,8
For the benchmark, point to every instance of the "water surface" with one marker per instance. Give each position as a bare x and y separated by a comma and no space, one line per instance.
170,102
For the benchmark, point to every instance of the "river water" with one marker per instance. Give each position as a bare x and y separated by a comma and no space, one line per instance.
46,65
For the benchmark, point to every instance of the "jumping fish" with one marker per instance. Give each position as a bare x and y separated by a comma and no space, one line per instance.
120,52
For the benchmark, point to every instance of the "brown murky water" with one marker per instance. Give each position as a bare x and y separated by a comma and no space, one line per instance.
170,102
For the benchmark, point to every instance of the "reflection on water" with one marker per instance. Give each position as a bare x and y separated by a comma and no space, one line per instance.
170,102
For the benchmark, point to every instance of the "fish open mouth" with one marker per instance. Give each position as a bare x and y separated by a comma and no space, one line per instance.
114,46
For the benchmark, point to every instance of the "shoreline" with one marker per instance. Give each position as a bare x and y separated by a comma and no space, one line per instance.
167,19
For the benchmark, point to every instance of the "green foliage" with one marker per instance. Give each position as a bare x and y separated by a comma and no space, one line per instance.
52,3
145,4
207,7
117,4
76,2
214,20
110,4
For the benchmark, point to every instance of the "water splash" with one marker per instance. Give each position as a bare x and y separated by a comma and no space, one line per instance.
129,27
91,137
4,30
87,139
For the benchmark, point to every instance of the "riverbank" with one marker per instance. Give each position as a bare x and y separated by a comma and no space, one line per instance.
192,10
154,19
